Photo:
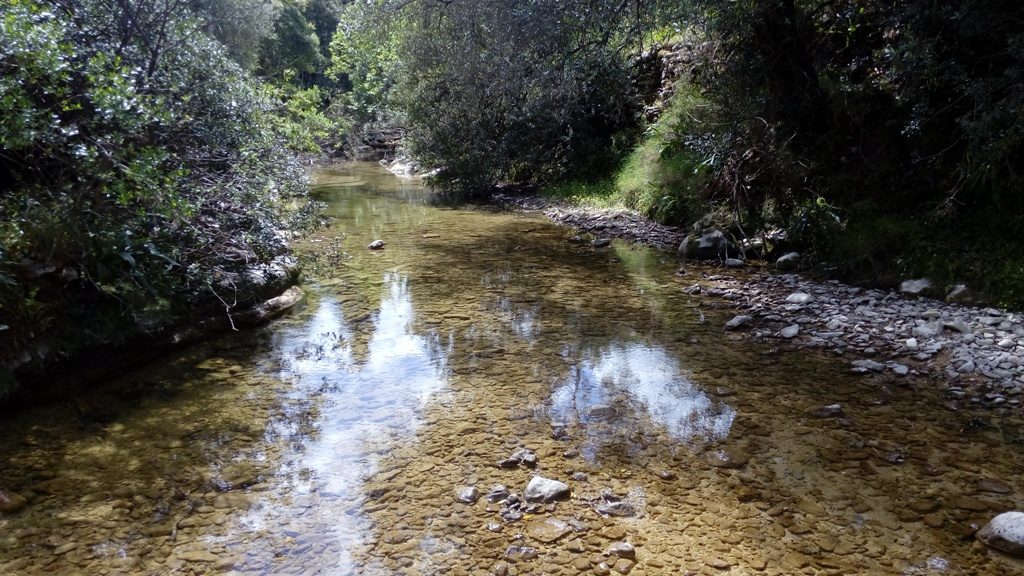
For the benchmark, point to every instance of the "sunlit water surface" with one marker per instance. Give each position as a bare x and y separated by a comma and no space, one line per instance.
336,439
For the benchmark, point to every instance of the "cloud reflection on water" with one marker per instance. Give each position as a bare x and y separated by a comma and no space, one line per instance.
371,395
610,389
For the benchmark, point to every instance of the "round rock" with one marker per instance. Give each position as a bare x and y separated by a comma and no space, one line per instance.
547,529
1005,532
467,494
788,262
542,489
11,502
622,550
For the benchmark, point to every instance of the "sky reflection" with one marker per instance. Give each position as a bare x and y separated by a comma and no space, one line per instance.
615,388
369,403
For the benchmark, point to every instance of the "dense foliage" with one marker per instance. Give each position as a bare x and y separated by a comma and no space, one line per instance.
136,188
146,145
824,118
496,91
899,117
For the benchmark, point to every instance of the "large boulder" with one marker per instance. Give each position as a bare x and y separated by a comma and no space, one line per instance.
1005,532
711,244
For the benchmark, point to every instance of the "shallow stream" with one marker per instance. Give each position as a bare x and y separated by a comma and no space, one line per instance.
341,438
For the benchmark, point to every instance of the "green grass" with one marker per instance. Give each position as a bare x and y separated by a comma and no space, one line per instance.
665,174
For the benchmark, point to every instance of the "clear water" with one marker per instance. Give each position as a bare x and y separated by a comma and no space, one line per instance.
334,440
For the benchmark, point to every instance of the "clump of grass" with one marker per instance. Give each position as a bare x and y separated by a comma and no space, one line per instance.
597,194
665,174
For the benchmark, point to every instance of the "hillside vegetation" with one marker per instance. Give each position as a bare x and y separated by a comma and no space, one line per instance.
149,149
860,128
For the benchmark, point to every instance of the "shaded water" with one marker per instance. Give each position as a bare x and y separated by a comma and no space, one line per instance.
335,441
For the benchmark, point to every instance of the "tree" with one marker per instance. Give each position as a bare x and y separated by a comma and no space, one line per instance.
137,188
497,90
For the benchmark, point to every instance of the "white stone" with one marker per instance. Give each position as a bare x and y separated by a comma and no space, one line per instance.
738,322
915,287
790,331
868,365
799,298
542,489
966,367
1005,532
926,331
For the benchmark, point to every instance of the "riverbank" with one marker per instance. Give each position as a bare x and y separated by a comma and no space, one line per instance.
975,354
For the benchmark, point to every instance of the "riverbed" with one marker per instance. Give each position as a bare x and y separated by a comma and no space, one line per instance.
362,433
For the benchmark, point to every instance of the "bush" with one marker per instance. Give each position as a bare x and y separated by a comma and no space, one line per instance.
136,188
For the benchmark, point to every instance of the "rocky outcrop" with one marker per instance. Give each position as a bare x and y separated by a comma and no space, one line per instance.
376,144
658,72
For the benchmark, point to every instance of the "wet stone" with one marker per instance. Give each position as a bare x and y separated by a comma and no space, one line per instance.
542,489
933,520
718,564
1005,532
519,553
738,322
968,503
496,493
11,502
198,556
830,411
726,458
994,486
924,506
867,365
232,500
65,548
623,566
467,494
521,456
621,550
578,525
894,458
546,530
510,515
611,505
